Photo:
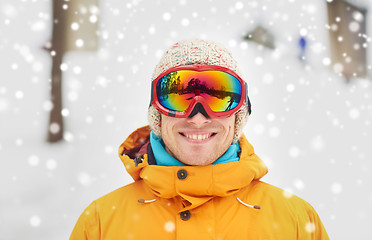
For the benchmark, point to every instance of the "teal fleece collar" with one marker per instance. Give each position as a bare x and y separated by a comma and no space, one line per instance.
163,158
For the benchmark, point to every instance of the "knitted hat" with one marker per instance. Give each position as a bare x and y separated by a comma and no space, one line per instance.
196,52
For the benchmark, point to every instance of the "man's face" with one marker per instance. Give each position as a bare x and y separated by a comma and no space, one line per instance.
197,140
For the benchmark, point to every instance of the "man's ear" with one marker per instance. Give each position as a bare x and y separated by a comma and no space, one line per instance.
240,120
154,118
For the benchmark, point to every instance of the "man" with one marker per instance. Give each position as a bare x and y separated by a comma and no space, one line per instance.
196,176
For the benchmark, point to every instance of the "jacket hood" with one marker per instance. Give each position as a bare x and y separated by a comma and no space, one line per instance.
202,183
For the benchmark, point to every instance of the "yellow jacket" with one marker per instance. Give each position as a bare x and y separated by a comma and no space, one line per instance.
223,201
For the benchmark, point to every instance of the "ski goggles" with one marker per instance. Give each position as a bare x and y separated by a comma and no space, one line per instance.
216,91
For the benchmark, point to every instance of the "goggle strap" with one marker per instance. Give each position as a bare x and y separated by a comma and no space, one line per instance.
247,101
152,96
171,113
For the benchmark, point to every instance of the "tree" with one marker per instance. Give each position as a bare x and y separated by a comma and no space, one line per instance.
74,28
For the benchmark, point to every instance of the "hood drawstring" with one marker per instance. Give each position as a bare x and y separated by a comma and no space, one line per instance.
248,205
141,200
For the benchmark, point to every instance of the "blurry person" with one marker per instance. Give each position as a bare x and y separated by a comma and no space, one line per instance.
195,174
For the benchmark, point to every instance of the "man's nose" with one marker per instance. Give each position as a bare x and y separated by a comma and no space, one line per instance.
198,119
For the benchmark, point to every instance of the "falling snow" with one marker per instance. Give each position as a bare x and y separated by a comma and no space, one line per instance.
33,160
35,221
308,124
299,184
169,226
294,152
51,164
185,22
336,188
64,66
75,26
310,227
54,128
85,179
79,43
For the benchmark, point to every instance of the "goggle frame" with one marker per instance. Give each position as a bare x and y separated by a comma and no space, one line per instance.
244,100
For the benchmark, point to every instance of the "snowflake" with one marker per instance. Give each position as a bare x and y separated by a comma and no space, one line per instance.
299,184
185,22
336,188
54,128
85,179
294,152
354,113
239,5
51,164
35,221
317,143
169,226
33,160
79,42
310,227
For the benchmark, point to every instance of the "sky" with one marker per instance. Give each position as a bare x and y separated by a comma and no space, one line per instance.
308,124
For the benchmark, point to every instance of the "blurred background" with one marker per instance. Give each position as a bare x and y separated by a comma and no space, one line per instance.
75,82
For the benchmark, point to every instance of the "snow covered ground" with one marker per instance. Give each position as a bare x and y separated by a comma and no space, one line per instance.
311,128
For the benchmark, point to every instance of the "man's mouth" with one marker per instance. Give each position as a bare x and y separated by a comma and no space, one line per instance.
193,136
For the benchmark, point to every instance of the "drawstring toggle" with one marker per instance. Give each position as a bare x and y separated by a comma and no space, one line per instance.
248,205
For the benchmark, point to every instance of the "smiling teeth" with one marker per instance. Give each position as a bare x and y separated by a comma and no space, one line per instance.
198,136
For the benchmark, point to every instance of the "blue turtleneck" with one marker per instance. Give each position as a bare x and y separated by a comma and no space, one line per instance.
163,158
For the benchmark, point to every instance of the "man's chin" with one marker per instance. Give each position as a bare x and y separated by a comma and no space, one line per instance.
197,160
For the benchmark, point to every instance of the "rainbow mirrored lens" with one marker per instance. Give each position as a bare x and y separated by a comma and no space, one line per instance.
220,90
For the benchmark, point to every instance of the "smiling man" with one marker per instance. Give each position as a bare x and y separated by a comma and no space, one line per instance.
197,140
196,175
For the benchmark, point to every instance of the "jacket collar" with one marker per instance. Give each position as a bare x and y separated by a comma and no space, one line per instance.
202,182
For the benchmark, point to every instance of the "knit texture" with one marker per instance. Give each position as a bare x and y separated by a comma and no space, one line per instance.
196,52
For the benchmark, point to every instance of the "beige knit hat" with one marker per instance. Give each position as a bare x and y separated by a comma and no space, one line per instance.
196,52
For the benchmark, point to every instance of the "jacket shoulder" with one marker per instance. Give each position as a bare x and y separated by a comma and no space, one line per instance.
130,192
110,206
276,196
287,206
